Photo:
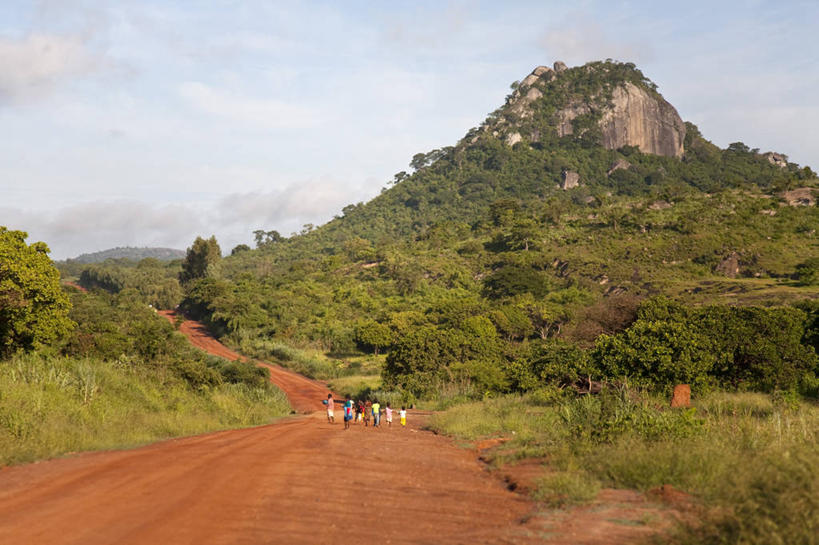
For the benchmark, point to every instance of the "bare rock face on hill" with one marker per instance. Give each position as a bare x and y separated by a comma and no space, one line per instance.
639,119
626,113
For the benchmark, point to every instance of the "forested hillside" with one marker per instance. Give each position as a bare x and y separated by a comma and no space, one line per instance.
534,244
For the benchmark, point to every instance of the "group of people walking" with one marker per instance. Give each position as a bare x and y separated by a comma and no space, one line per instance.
364,411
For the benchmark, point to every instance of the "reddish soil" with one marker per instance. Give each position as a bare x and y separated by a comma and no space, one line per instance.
304,394
299,480
75,286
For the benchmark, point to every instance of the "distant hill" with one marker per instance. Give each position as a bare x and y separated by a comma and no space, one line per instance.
127,252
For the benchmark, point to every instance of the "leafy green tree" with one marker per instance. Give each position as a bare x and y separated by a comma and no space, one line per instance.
657,353
201,257
371,335
33,307
513,279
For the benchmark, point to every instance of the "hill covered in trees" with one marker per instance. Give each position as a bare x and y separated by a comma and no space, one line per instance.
127,252
534,250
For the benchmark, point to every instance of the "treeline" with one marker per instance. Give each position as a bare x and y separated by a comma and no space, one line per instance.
665,343
155,281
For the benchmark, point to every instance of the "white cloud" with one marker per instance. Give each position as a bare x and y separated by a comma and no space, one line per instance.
97,225
265,113
34,65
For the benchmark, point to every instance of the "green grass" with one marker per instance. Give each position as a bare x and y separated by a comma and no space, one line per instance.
356,386
310,362
53,406
750,459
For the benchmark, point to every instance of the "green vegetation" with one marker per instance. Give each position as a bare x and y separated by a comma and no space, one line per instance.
476,275
120,377
156,282
200,260
33,307
749,459
52,405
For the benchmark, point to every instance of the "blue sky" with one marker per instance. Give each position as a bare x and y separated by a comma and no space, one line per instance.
149,123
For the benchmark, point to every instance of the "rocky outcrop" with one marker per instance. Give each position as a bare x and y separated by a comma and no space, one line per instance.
629,114
776,159
729,266
617,165
569,179
634,117
639,118
513,138
802,196
659,205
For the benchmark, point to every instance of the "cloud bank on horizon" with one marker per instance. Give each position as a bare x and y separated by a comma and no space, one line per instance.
149,123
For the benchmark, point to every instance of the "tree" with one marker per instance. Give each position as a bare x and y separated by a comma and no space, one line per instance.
202,256
373,336
266,238
33,307
239,249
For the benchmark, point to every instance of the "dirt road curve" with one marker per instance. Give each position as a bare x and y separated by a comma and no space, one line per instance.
305,395
300,480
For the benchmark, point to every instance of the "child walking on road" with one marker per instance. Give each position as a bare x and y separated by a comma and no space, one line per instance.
388,414
330,406
403,415
376,414
348,412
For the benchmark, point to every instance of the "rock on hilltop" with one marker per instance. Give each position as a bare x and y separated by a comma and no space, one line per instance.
610,103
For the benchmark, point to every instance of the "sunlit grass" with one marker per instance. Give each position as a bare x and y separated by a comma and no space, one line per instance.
750,459
51,406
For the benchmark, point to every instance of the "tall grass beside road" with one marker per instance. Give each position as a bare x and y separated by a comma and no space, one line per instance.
748,460
50,406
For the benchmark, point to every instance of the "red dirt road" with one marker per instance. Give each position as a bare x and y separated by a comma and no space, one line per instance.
299,480
304,394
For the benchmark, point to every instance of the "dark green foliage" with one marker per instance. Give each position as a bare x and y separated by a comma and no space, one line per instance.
122,328
373,336
740,347
239,248
201,257
554,362
657,354
807,272
514,279
33,307
240,372
430,356
155,281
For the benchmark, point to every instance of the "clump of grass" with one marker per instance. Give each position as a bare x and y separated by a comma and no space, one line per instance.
561,488
50,406
750,459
